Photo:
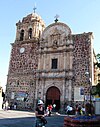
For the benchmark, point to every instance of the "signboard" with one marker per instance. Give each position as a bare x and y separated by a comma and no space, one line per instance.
87,98
81,91
97,98
97,107
21,96
78,94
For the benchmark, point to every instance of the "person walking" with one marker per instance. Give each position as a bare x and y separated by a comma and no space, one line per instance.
40,115
50,109
79,109
69,109
83,110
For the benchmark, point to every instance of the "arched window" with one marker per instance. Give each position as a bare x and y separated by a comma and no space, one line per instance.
30,33
21,35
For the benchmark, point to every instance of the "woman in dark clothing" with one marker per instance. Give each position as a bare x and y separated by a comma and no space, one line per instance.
40,115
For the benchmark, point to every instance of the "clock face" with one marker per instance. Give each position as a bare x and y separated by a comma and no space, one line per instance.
22,50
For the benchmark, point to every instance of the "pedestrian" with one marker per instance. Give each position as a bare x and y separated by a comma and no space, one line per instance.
50,109
83,110
79,109
6,105
69,109
40,115
54,107
89,109
76,109
15,105
47,110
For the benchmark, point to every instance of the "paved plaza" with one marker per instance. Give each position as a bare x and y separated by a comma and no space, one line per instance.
13,118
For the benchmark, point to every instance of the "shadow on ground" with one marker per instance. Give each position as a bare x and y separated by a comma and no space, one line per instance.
53,121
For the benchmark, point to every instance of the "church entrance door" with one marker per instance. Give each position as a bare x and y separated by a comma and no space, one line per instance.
53,97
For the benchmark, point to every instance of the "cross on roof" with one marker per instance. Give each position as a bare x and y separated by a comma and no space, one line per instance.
56,18
34,8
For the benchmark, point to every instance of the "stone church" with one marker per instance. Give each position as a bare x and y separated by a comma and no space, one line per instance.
49,63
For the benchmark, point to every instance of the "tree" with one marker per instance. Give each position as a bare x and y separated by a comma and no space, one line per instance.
98,85
98,58
98,89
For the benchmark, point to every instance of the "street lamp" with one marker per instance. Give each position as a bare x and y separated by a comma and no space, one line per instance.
89,79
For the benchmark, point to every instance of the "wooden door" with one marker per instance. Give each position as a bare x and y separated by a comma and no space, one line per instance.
53,97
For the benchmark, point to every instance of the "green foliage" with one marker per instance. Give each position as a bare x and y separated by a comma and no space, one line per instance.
98,64
94,90
98,89
98,57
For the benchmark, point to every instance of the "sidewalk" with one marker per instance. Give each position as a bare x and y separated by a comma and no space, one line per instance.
14,118
15,114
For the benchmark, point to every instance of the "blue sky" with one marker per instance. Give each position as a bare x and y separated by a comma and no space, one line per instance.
80,15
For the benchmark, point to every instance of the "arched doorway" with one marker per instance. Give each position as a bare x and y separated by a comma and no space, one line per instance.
53,97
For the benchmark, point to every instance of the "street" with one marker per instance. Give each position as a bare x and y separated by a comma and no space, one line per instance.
13,118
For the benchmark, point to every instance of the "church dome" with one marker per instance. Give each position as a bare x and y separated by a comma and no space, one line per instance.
32,17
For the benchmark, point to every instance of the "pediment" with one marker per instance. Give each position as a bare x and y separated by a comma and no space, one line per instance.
54,35
56,29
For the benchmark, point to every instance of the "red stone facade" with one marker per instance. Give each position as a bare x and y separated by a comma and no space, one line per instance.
32,73
82,61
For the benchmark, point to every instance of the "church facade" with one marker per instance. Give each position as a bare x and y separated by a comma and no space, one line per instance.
49,63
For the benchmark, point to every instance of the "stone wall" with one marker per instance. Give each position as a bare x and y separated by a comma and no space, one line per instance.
82,60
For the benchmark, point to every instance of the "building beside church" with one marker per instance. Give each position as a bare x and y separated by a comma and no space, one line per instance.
49,63
1,98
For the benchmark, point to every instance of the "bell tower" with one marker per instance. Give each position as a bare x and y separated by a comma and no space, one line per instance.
30,28
23,61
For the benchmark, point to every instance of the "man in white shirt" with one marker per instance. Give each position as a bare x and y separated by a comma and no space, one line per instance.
69,109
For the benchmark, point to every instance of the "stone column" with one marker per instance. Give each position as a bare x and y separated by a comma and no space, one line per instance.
70,90
65,60
71,60
39,62
67,91
44,60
